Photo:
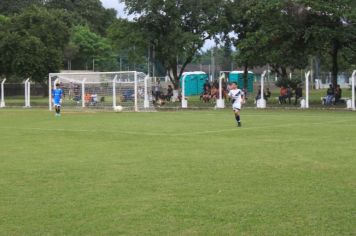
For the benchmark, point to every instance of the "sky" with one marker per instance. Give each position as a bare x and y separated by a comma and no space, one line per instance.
121,13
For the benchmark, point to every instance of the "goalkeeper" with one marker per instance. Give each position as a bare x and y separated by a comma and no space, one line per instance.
57,94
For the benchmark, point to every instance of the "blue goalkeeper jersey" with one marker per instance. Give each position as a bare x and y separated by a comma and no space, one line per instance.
57,95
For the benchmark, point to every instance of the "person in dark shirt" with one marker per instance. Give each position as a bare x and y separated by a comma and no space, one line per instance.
289,94
206,86
298,93
268,94
329,95
169,93
338,94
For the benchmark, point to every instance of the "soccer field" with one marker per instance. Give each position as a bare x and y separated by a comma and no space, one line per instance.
178,173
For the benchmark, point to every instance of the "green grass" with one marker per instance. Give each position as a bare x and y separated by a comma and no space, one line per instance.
182,173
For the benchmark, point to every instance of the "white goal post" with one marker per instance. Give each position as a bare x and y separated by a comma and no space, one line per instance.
131,90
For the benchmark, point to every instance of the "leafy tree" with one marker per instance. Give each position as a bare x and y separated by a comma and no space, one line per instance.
331,28
176,29
11,7
89,12
92,47
270,32
32,44
128,41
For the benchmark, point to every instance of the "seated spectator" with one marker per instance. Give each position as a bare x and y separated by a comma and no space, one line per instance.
157,90
289,94
169,93
283,95
298,93
338,94
214,93
268,94
77,96
259,95
94,99
206,94
87,98
216,84
206,86
329,95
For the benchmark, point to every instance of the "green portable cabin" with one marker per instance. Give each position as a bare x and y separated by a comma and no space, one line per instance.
194,82
238,76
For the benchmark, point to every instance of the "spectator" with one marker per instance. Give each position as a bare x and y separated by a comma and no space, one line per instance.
169,93
77,96
259,94
338,94
206,86
289,94
216,84
245,93
268,94
71,90
283,95
298,93
214,93
87,99
206,95
94,99
157,90
224,85
329,95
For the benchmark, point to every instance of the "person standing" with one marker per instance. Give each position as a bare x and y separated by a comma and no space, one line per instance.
57,95
298,93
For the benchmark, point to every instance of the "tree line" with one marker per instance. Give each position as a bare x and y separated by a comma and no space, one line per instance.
38,37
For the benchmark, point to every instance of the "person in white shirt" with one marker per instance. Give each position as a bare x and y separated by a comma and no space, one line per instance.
237,99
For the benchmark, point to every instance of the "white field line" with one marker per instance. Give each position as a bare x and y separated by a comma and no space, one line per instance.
232,129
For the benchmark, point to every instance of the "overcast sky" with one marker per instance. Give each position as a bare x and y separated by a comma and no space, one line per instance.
121,13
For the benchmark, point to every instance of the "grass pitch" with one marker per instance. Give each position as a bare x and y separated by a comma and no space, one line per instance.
182,173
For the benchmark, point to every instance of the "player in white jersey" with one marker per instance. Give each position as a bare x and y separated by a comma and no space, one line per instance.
238,98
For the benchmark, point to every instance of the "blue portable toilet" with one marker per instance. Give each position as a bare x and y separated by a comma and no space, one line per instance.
194,82
238,76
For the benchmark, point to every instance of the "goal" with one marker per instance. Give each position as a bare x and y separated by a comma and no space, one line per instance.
104,90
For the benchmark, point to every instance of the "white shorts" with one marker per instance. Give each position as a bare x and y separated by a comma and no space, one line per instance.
236,106
57,104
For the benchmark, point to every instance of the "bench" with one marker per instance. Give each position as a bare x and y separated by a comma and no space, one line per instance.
342,100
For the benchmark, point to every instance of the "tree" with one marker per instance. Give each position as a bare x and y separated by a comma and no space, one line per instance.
176,30
11,7
92,48
32,44
128,41
89,12
269,33
331,28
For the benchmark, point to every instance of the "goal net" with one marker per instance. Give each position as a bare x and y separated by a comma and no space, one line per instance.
103,90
